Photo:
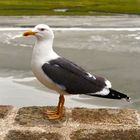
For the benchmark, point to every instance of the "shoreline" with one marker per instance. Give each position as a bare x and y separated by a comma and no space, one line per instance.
118,21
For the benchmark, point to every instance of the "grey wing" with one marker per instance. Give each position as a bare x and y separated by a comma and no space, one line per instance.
73,78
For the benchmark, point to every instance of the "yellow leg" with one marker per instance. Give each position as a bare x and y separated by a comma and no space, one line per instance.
52,115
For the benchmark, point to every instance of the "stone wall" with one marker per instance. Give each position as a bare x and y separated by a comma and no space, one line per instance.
30,123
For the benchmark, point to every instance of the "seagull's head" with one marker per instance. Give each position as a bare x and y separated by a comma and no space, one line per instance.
41,32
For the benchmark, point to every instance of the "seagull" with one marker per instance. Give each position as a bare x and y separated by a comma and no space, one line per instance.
62,75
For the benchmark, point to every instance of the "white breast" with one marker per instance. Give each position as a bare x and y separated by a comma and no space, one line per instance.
41,76
43,53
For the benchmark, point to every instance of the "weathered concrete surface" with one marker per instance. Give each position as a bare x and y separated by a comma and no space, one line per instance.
32,116
29,123
99,134
4,109
28,135
121,21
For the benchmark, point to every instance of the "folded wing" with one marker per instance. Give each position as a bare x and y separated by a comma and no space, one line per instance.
72,78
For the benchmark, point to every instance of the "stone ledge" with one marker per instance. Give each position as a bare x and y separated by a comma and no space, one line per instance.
99,134
4,109
28,135
105,116
34,116
29,123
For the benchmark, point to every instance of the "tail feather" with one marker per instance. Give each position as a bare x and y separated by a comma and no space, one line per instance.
113,94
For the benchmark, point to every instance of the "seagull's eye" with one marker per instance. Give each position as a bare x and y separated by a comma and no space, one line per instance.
41,29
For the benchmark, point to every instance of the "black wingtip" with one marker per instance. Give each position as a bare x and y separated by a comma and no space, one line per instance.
113,94
119,95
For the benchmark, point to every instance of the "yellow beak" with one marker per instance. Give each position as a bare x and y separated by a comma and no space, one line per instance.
29,32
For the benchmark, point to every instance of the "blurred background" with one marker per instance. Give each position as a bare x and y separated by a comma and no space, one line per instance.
102,36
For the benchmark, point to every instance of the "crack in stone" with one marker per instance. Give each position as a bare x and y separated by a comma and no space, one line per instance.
138,116
6,124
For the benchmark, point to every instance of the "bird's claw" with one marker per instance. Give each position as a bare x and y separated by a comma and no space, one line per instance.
52,115
49,112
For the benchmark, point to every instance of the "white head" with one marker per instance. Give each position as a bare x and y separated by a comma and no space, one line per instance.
41,32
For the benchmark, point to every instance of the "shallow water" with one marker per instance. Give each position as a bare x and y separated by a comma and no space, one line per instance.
109,52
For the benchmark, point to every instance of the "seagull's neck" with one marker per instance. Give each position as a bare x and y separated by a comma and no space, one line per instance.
43,51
